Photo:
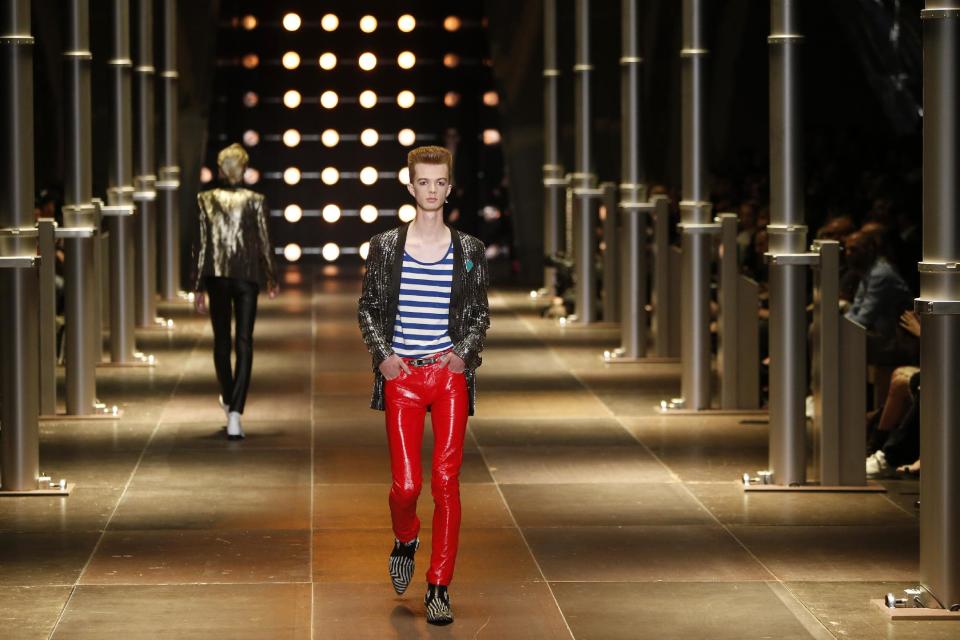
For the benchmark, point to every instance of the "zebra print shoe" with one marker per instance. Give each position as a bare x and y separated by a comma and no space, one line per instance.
400,564
437,602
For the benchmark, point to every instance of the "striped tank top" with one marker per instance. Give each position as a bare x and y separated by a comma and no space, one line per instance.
423,310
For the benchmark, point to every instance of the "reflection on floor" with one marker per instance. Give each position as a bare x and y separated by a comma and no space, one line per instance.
586,515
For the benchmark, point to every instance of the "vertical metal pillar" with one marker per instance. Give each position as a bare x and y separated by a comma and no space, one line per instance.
728,352
144,179
696,220
612,275
788,321
168,178
939,308
80,221
554,182
47,294
662,329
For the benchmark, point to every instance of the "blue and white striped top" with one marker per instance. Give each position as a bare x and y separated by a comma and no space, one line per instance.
424,307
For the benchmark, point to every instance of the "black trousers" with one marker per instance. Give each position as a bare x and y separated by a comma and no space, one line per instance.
231,297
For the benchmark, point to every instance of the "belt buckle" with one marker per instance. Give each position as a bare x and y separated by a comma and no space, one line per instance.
420,362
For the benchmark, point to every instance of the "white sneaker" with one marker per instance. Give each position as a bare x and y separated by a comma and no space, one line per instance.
234,430
877,466
224,406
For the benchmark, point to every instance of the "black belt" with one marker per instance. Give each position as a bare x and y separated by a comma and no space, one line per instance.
422,362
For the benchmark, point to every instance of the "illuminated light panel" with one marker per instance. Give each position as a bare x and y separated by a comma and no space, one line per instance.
368,99
330,22
406,23
451,60
327,61
491,136
491,98
452,23
250,61
330,176
369,137
249,22
369,176
251,175
291,60
330,138
331,213
451,98
251,99
206,175
291,175
404,175
406,137
406,213
364,250
291,22
292,252
330,251
369,213
329,99
291,137
291,99
406,60
406,99
368,24
251,138
293,213
367,61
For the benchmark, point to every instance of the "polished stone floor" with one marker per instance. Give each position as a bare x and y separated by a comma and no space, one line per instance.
586,514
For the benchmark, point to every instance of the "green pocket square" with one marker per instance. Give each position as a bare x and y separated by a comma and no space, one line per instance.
469,265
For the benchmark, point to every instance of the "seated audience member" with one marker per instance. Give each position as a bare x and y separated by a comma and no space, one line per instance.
902,444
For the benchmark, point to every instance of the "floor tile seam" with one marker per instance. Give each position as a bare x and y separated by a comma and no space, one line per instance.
96,547
250,583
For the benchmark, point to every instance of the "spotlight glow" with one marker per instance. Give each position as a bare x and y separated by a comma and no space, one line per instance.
329,22
251,99
330,138
491,98
364,250
329,99
369,137
249,22
367,61
406,213
491,136
452,23
368,176
292,252
406,99
406,60
291,60
404,175
368,99
291,99
406,23
328,61
291,137
406,137
291,22
330,176
368,24
291,175
369,213
251,61
293,213
251,138
451,99
331,213
451,60
206,176
330,251
251,175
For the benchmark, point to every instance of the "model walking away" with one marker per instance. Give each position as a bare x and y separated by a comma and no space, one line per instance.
234,260
424,315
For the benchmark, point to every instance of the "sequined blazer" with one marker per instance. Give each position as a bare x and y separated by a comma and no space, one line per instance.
469,310
234,241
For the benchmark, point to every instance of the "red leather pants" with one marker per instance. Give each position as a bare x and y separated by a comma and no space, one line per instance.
407,398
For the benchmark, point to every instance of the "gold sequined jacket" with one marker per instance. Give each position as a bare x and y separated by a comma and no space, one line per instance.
234,242
469,309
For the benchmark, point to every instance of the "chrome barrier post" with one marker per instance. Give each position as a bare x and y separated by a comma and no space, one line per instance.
168,175
728,351
663,331
554,183
47,325
611,282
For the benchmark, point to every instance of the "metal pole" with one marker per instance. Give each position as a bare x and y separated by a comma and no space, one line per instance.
145,179
788,322
554,182
662,329
168,175
611,255
696,222
728,352
80,221
939,307
120,190
47,325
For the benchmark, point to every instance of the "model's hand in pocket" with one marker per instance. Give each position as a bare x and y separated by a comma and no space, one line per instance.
453,362
392,366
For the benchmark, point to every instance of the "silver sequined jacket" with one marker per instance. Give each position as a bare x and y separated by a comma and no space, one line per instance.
234,242
469,310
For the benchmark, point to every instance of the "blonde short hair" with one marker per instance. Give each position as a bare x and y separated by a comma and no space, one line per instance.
430,155
232,162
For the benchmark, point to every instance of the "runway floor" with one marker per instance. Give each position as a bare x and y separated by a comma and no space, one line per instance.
586,514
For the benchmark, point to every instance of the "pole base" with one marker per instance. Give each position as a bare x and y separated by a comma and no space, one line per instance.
542,292
159,324
45,487
140,360
617,356
677,406
918,605
101,411
763,481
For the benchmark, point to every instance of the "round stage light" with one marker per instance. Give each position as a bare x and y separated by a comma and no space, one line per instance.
369,137
293,213
364,250
291,60
452,23
329,99
330,176
251,99
404,175
291,99
292,252
406,213
291,175
406,23
368,213
491,136
367,61
329,22
368,176
406,60
406,99
368,99
451,98
251,61
328,61
205,174
368,24
491,98
251,175
330,251
330,138
251,138
451,60
331,213
291,137
291,22
249,22
406,137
